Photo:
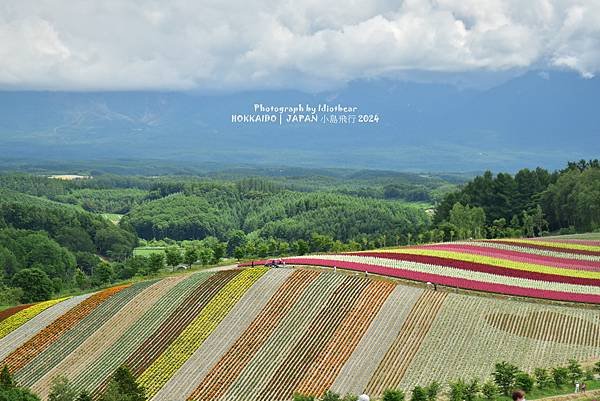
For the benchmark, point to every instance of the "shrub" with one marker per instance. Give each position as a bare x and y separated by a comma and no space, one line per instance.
393,395
524,381
490,390
560,375
419,394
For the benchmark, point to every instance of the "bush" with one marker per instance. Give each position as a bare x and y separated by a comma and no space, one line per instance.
393,395
35,284
419,394
560,375
575,371
524,381
542,378
432,391
504,376
302,397
490,390
331,396
62,390
457,390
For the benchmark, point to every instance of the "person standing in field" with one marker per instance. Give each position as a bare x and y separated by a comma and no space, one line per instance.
518,395
583,387
576,387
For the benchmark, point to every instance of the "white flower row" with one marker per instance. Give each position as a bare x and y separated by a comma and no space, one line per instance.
463,274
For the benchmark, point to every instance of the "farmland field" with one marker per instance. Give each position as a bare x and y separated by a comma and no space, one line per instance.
555,268
247,334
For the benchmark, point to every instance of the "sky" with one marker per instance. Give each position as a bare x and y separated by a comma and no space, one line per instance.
299,44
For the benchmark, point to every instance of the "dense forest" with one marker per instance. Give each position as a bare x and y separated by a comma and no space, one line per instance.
56,236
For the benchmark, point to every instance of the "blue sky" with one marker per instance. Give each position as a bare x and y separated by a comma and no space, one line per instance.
299,44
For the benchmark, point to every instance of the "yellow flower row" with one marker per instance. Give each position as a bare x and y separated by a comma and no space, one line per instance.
192,337
506,263
18,319
566,245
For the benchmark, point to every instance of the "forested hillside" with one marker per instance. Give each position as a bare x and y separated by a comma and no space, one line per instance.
55,235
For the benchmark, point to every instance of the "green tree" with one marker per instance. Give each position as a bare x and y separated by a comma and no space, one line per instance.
81,280
84,396
490,390
190,256
123,387
331,396
433,390
104,273
471,390
237,239
61,390
239,252
18,394
504,376
156,262
419,394
393,395
457,390
542,378
524,381
35,284
575,371
6,379
173,256
560,375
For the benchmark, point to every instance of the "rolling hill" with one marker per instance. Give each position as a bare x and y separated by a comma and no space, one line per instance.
258,333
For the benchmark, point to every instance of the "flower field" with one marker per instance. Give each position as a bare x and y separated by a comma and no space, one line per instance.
257,333
563,270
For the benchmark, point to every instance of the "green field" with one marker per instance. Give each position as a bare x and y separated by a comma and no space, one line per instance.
147,250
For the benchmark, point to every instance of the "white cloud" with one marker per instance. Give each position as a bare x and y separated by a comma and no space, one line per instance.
237,44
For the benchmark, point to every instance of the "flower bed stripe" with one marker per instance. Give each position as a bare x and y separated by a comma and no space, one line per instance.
325,367
555,253
115,355
11,311
590,242
69,341
93,346
232,363
42,340
358,370
481,267
551,246
18,319
16,338
198,330
462,343
161,338
399,356
257,373
518,256
232,328
314,340
508,264
425,274
557,244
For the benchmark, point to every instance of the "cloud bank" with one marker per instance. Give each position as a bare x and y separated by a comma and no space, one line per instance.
302,44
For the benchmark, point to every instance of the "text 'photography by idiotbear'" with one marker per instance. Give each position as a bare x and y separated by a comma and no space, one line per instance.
305,113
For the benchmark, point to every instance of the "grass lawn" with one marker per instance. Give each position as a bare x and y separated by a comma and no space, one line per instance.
113,217
147,250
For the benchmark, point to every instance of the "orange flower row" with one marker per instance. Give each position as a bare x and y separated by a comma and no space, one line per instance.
26,352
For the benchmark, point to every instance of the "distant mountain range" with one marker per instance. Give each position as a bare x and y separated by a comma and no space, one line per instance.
536,119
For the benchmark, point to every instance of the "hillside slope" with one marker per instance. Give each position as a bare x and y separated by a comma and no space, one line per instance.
259,333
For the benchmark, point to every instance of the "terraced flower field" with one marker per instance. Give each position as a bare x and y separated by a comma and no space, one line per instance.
557,269
257,333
